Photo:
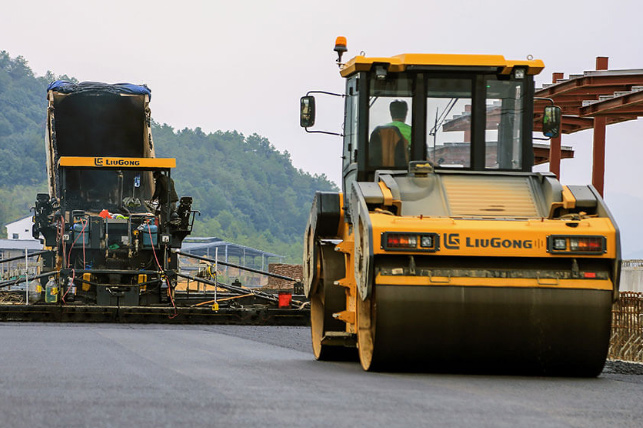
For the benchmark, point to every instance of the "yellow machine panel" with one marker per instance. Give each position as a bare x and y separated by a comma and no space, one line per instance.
114,162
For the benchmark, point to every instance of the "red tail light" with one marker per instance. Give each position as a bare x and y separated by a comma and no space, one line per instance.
423,242
401,241
576,244
586,244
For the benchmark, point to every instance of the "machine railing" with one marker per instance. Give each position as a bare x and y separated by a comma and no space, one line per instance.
236,290
627,328
211,260
5,282
22,257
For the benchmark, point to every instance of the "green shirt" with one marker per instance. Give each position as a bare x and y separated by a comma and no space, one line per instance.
405,129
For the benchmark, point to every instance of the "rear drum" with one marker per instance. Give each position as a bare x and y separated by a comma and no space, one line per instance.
485,329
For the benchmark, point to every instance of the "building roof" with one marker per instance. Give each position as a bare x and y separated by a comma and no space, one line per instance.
200,246
20,244
18,221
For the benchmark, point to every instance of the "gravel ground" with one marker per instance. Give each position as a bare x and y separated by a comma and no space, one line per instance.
623,367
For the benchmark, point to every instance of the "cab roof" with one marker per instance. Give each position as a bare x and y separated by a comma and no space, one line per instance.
402,62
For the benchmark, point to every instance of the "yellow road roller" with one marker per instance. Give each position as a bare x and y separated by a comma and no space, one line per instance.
444,252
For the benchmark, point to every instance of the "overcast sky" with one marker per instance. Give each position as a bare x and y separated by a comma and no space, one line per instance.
242,65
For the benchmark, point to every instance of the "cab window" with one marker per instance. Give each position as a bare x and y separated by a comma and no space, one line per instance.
503,133
390,113
448,122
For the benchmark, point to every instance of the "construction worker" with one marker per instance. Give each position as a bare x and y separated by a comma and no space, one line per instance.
162,183
399,110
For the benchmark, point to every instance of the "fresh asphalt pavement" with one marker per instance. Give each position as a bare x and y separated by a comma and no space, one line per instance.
75,375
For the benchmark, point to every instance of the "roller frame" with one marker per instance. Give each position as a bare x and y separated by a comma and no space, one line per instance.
329,338
323,223
363,247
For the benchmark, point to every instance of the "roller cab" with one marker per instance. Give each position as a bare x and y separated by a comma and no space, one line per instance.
444,251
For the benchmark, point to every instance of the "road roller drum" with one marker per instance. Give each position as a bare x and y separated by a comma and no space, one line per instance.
484,329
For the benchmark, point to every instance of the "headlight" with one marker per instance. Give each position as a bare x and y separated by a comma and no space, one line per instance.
426,241
560,244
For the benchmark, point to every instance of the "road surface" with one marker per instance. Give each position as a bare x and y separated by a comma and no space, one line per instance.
61,375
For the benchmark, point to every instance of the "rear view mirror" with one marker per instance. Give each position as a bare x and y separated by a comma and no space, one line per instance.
551,121
307,111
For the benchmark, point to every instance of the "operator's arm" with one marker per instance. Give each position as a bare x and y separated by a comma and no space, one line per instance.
155,195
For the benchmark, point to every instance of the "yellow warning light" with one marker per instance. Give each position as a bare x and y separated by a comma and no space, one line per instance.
340,43
340,47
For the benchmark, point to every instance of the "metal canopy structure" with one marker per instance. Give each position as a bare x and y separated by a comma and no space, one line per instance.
592,100
226,251
541,153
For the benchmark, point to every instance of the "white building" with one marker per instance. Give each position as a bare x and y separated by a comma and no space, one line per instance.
632,276
20,229
20,240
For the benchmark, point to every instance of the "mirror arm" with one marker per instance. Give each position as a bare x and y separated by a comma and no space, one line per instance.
545,99
324,132
326,93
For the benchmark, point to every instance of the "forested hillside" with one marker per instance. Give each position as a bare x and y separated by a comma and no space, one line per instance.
247,191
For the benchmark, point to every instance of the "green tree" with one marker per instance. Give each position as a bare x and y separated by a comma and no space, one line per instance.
247,191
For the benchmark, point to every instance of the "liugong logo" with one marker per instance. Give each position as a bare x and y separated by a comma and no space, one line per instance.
452,242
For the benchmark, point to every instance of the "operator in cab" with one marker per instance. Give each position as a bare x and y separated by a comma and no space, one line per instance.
399,109
390,144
